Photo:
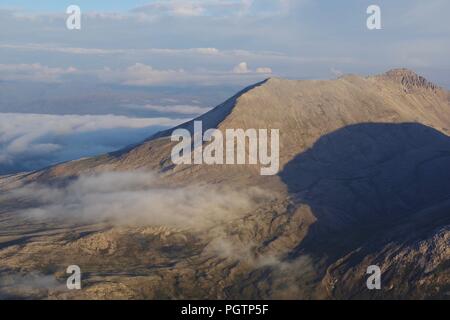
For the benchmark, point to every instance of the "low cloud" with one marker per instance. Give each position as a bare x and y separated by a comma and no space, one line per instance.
136,198
141,74
243,68
19,286
195,8
138,74
264,70
32,141
34,72
216,8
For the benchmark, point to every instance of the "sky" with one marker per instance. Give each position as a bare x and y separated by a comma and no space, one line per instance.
216,42
175,59
58,5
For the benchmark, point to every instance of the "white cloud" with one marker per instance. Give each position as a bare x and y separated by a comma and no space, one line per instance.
141,74
36,47
264,70
207,50
138,198
30,141
34,72
241,68
230,25
195,8
138,74
187,9
14,285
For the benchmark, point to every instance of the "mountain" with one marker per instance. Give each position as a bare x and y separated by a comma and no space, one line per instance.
363,181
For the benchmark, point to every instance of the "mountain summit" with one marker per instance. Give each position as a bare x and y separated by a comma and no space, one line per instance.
409,79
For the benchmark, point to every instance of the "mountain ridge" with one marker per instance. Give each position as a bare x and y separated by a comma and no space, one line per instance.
318,103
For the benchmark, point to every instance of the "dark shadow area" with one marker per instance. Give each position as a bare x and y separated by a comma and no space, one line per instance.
363,179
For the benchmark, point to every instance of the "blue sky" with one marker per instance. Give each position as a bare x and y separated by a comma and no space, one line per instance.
235,43
58,5
108,5
291,38
105,5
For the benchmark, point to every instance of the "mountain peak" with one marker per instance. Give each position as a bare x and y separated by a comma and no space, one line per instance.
401,72
409,79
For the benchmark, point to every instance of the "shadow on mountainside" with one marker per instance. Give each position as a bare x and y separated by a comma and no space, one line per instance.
366,180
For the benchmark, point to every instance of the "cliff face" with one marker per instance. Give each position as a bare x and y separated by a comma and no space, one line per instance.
364,180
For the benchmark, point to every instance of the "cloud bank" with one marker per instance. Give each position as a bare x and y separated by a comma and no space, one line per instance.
136,198
32,141
138,74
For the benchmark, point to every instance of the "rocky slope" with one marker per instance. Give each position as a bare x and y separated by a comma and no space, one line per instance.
364,180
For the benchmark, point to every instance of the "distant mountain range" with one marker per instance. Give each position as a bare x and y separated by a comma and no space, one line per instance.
364,180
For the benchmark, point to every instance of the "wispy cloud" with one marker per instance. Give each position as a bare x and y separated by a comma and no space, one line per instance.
243,68
35,47
175,109
34,72
138,74
136,198
18,286
214,8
